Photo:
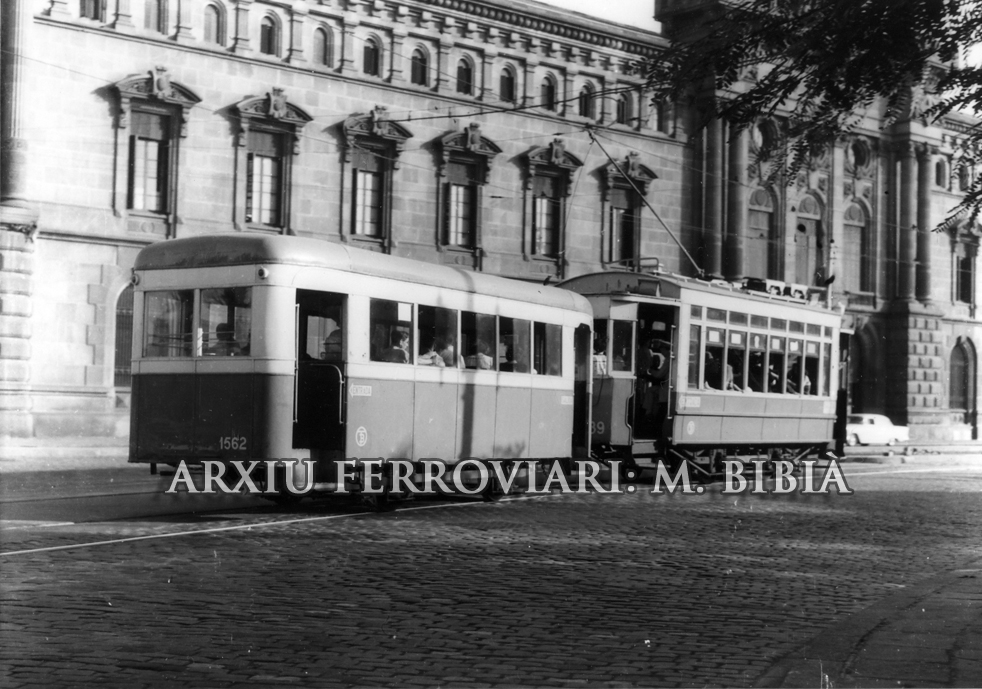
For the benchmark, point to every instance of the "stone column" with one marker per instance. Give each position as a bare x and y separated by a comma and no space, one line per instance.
398,74
241,42
736,207
349,24
713,209
925,174
298,14
444,80
906,227
184,23
486,89
123,17
567,99
18,227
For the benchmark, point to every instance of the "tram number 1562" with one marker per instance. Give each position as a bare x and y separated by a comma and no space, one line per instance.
232,442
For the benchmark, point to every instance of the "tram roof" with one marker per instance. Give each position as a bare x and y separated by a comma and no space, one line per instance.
668,286
256,249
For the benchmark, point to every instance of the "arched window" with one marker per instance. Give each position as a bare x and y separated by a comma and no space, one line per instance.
762,251
465,77
124,339
372,58
958,379
420,68
547,93
506,85
155,15
586,102
941,174
623,112
269,36
856,254
809,251
665,117
92,9
214,24
323,47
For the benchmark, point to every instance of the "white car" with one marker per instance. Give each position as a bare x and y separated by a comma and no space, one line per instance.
874,429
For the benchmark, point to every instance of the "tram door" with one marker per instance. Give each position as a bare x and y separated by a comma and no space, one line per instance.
318,412
655,346
582,340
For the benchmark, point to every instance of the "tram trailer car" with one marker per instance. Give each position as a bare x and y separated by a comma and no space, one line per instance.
686,370
257,347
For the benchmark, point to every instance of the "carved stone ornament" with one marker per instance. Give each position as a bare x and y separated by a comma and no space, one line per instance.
632,168
553,156
154,86
469,143
374,128
273,108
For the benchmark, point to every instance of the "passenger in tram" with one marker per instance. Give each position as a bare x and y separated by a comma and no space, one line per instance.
483,360
225,344
794,373
332,346
445,349
600,356
398,352
429,356
713,372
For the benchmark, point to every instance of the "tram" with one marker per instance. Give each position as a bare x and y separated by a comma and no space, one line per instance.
260,347
688,370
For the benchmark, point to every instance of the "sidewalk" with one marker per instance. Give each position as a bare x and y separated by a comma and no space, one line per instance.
929,635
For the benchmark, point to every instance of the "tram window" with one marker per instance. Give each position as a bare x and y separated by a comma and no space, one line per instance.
827,369
477,337
814,329
694,343
716,315
713,368
775,366
796,327
168,323
795,381
695,311
828,331
600,347
320,327
623,349
738,318
810,384
514,345
756,379
391,324
226,321
736,357
758,321
437,337
547,349
779,324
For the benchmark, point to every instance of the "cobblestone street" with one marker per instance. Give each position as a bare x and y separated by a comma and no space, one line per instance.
566,590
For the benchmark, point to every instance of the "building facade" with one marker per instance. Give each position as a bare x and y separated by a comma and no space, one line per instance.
504,137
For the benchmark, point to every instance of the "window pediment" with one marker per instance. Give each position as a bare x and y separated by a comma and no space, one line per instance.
471,145
554,155
631,168
374,126
154,86
271,110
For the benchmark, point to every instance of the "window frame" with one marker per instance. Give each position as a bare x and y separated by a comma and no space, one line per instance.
631,178
323,56
372,57
220,30
419,67
274,115
270,35
465,77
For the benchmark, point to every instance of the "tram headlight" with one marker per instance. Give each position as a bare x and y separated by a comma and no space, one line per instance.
263,273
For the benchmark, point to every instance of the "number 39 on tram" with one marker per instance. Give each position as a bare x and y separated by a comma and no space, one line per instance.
269,347
689,371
